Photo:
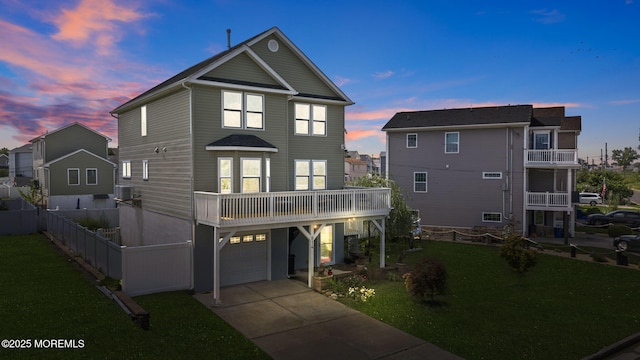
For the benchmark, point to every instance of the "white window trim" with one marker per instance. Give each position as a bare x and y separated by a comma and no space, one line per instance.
221,177
484,219
126,169
87,176
145,169
252,177
143,120
416,145
243,110
489,175
69,177
310,177
426,181
457,142
542,132
310,121
267,172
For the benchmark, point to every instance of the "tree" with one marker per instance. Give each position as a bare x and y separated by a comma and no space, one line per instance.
592,181
624,157
518,256
4,150
427,279
400,218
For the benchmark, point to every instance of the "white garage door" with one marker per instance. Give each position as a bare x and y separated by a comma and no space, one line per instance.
243,259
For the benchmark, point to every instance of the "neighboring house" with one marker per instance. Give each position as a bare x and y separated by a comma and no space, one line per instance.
72,170
21,165
243,153
489,166
354,169
4,161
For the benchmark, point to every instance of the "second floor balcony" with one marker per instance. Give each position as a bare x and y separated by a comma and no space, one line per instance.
551,157
548,200
288,207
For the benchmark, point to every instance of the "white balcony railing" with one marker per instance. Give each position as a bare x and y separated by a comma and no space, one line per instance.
223,210
551,157
548,200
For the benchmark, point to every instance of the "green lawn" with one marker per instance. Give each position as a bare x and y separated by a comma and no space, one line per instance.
562,309
44,296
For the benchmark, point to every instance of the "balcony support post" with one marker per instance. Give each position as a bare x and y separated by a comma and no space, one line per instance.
380,224
311,237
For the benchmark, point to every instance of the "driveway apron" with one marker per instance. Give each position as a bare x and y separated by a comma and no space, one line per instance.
290,321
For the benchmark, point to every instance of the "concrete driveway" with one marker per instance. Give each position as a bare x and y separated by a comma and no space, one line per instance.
290,321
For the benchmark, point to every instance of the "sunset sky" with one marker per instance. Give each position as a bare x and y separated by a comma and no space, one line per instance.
75,60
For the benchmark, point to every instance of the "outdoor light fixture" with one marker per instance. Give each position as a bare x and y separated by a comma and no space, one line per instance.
156,150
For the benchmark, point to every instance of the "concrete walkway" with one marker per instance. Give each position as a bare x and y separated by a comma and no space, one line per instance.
290,321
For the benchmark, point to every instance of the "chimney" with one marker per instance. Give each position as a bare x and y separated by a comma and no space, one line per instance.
228,38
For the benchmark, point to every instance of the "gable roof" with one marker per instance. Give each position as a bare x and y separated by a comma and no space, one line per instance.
242,142
41,137
495,115
195,73
74,154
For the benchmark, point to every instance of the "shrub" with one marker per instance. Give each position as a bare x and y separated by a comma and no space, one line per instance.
515,251
616,230
94,224
427,279
592,210
354,281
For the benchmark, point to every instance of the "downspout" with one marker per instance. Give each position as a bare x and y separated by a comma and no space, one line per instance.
191,196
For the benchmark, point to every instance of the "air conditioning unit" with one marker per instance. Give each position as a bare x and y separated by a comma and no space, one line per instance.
124,192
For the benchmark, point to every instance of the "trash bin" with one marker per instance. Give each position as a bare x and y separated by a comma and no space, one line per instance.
557,232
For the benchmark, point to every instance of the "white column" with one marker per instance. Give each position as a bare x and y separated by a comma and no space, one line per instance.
216,267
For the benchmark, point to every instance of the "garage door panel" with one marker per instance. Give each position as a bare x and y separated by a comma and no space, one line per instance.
243,263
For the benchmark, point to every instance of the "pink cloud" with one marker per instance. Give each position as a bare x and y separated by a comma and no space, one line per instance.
354,135
383,75
94,21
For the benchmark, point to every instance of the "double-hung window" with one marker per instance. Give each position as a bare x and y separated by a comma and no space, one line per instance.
451,142
242,110
420,182
251,174
412,140
311,174
73,176
310,119
92,176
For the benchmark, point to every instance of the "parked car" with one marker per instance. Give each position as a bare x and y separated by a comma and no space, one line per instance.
625,217
590,198
627,242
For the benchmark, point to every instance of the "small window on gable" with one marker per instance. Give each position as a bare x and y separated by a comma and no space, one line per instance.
412,140
491,217
73,176
143,120
492,175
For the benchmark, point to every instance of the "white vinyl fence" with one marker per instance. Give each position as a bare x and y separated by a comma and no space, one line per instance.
95,249
12,192
157,268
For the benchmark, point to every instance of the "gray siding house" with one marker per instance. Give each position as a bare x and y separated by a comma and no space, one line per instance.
241,153
487,167
71,168
21,165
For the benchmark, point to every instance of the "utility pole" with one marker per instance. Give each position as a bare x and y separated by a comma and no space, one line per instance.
606,156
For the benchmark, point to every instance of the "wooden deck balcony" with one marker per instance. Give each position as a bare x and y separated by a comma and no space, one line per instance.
287,207
548,201
551,157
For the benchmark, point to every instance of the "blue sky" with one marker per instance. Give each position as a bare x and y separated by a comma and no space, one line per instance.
75,60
